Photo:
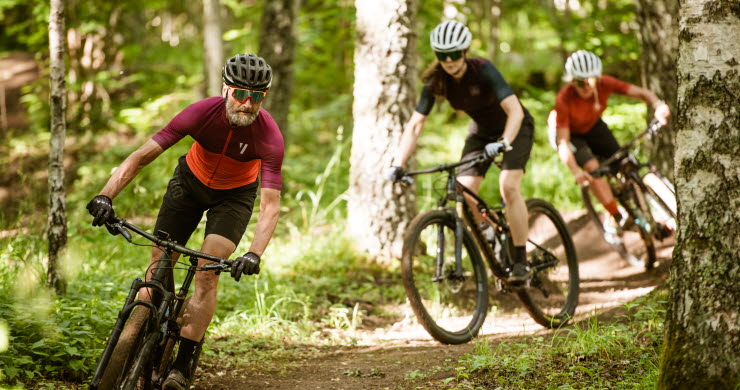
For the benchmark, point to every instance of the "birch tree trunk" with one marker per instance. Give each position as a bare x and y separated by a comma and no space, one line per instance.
384,92
57,233
702,336
213,45
492,13
658,21
277,47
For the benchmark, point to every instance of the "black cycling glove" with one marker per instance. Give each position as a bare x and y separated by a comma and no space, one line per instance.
101,208
248,264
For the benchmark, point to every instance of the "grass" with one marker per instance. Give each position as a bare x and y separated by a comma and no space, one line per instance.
621,353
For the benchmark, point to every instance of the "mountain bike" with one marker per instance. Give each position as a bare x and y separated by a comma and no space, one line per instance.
647,201
445,277
139,351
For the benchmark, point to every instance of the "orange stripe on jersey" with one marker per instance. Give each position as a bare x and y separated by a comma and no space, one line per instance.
220,172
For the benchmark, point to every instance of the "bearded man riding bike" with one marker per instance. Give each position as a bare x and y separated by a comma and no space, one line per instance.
579,134
235,141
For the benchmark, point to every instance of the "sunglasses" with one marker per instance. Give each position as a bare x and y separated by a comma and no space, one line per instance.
242,95
454,55
581,83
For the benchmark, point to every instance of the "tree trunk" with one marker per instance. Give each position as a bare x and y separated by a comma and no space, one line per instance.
213,45
384,92
492,12
277,47
658,20
702,336
57,233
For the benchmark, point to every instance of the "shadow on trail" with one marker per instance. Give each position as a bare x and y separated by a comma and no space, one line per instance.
389,354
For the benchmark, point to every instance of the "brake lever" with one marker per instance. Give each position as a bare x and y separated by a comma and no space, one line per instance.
120,229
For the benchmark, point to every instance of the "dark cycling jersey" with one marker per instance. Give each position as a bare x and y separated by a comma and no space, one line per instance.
580,115
226,156
479,94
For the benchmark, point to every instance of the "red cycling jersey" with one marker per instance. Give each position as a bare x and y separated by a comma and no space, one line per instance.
579,114
226,156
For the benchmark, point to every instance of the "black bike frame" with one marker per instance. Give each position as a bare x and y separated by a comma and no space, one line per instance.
162,303
629,168
463,215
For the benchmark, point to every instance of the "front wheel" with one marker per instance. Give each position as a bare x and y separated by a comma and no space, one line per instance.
552,295
634,245
450,303
127,349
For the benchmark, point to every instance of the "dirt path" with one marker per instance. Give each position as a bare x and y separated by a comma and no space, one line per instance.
388,355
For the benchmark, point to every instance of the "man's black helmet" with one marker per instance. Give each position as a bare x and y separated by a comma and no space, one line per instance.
247,71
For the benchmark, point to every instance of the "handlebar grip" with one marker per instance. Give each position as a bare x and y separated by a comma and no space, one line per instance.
600,171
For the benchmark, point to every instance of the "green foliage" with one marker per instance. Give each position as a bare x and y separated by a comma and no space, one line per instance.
616,354
315,288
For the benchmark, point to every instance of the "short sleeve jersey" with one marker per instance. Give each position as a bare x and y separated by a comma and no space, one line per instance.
226,156
579,114
479,94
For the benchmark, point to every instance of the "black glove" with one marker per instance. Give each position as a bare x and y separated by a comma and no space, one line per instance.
395,174
248,264
101,208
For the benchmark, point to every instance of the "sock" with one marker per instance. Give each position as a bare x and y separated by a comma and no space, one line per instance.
520,254
185,356
611,207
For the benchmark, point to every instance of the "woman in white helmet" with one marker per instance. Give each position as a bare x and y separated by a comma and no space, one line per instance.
499,124
579,134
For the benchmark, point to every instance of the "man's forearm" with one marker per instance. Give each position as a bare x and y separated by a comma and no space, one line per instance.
130,168
265,228
120,178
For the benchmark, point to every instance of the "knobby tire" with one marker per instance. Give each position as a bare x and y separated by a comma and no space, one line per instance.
446,320
127,348
561,281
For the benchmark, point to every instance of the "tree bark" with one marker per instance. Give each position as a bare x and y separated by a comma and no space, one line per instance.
658,21
384,93
213,45
492,13
57,233
277,47
702,336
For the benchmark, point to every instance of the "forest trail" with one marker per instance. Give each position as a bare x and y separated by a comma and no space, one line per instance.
385,356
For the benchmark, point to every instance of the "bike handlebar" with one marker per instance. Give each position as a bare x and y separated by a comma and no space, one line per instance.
604,167
407,177
120,225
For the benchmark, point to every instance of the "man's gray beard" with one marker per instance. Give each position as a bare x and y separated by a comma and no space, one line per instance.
236,119
240,120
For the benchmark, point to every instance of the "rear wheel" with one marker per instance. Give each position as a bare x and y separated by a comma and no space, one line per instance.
634,246
552,295
451,306
127,349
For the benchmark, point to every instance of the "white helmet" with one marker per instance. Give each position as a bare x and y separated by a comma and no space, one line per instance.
450,36
582,65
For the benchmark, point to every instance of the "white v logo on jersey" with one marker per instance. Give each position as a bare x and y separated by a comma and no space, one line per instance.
243,147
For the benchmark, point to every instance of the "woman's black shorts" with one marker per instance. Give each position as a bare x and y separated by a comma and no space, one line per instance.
186,199
598,142
515,159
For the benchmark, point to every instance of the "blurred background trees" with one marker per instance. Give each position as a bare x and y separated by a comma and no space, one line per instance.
132,65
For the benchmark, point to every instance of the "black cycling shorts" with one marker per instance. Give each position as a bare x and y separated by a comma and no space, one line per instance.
515,159
186,199
599,142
